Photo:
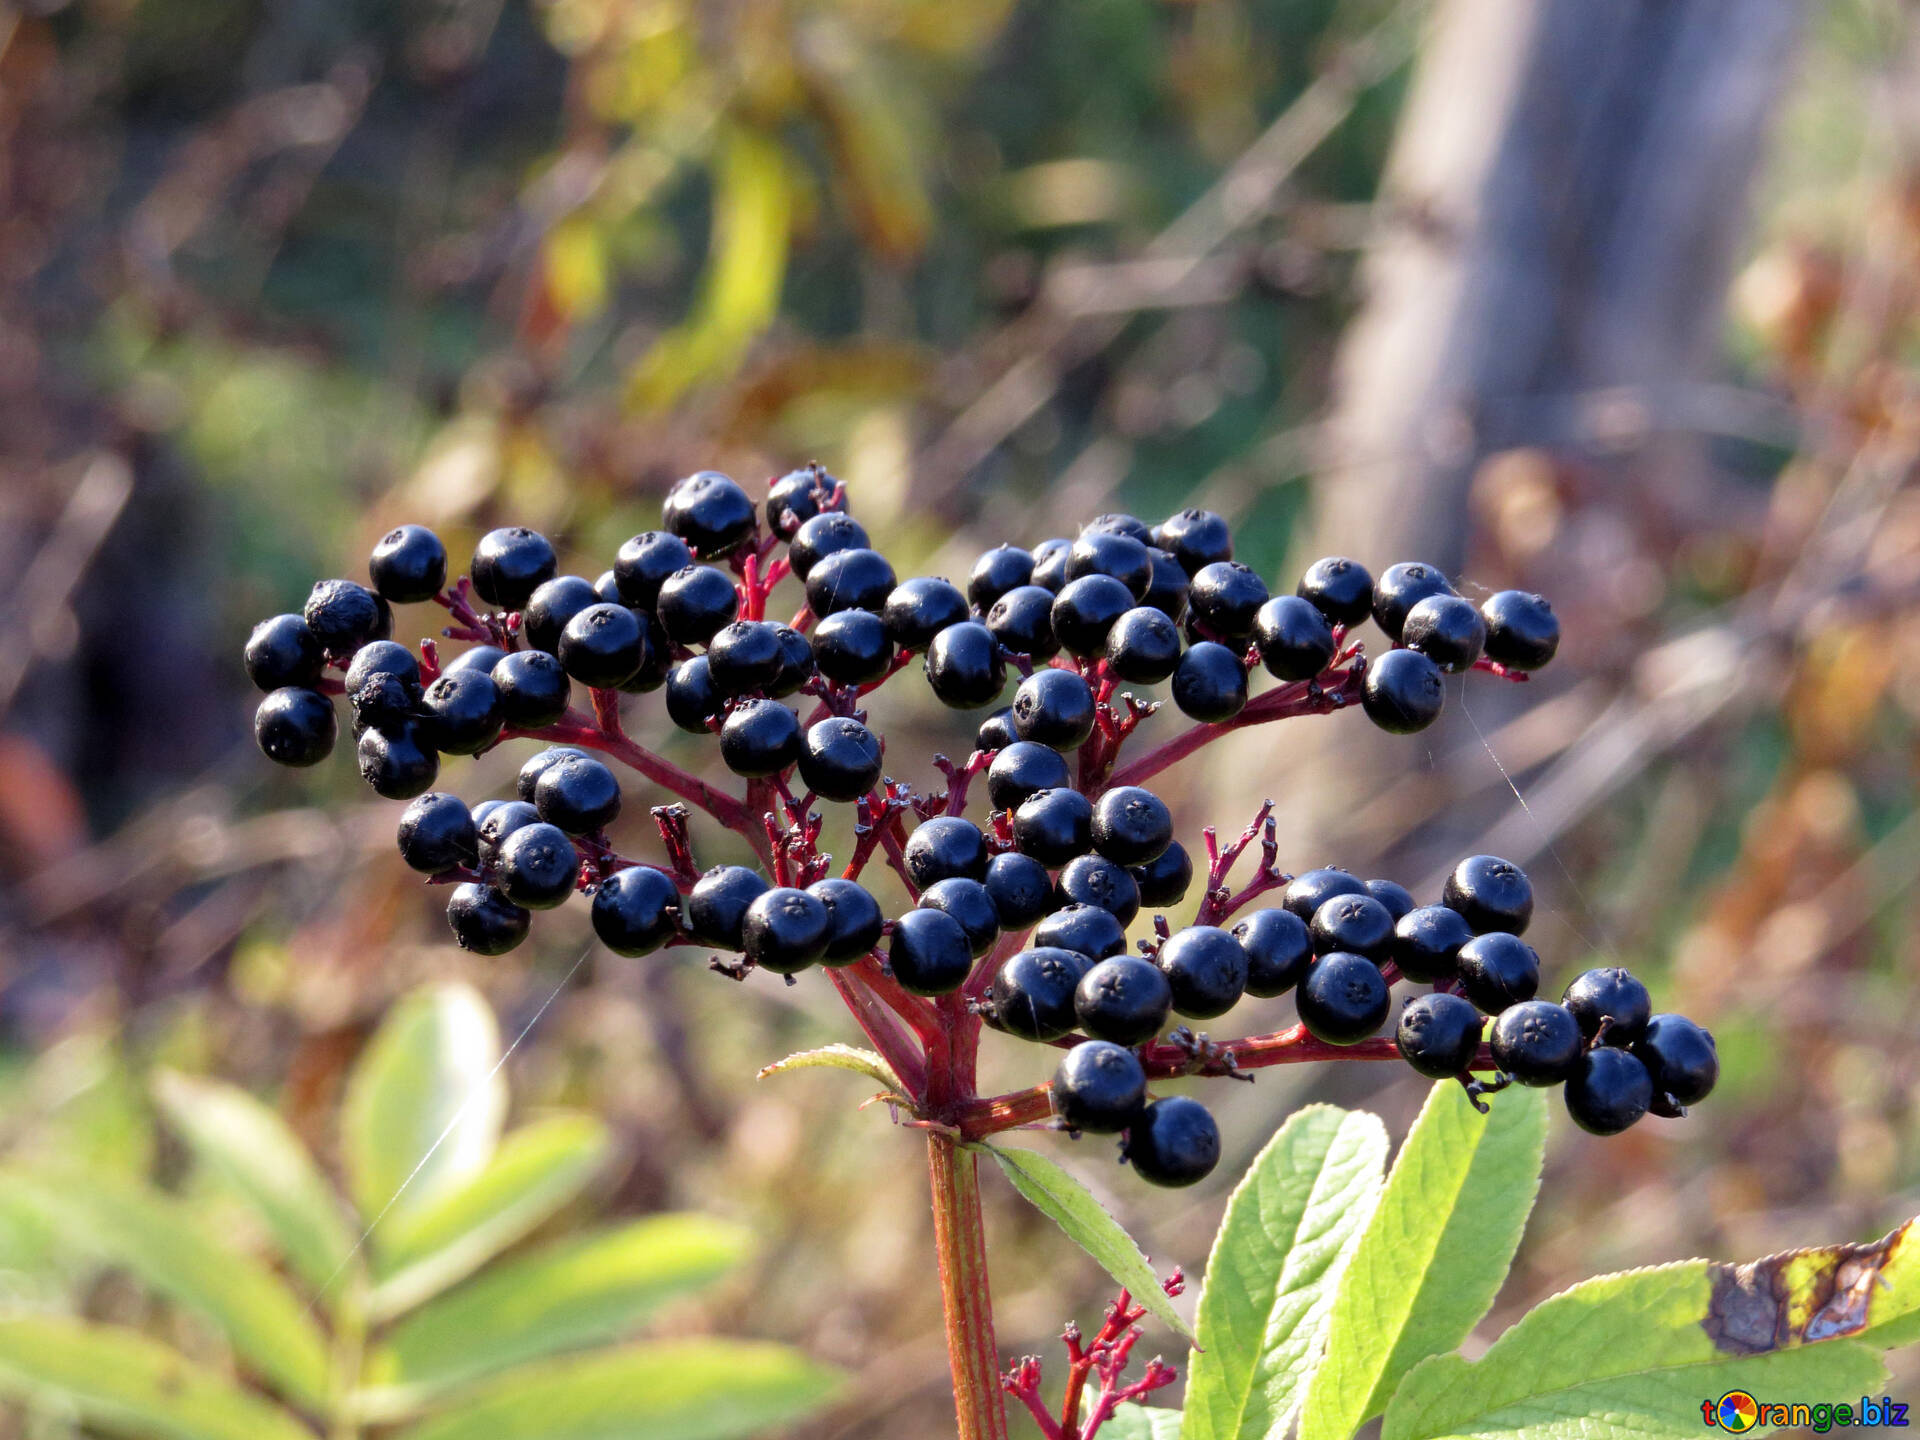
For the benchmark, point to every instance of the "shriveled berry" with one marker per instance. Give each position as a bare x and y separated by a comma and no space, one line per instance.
1085,611
1612,998
534,689
1400,588
1124,999
1022,620
538,866
695,602
1143,646
1021,889
1447,630
1210,683
785,930
1164,880
436,834
579,795
1339,588
284,651
296,727
710,512
928,953
1536,1042
856,920
964,667
1099,1087
550,607
636,910
1003,568
1196,538
1175,1142
760,738
1680,1057
1055,708
485,921
1131,825
850,580
1342,999
852,648
1033,991
1608,1091
1294,639
1426,942
916,610
1207,970
1225,598
1522,631
825,534
408,565
604,645
968,902
1278,948
643,564
1053,826
1439,1035
1490,894
397,762
1022,769
1403,692
460,714
1311,889
716,907
1358,924
1497,970
1096,880
510,564
382,657
840,759
1085,929
344,616
693,700
944,847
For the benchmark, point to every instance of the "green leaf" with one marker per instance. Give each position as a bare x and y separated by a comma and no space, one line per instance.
1619,1355
1071,1206
576,1293
838,1057
538,1169
1434,1254
161,1241
424,1103
259,1157
1142,1422
120,1382
683,1390
1290,1225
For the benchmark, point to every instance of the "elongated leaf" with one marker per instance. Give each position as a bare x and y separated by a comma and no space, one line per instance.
161,1241
838,1057
1142,1422
1434,1254
258,1156
1620,1355
537,1169
579,1292
687,1390
424,1103
1071,1206
1289,1228
121,1382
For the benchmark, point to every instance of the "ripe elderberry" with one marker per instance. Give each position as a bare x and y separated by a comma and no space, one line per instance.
1033,993
855,920
1279,950
1439,1035
1206,970
1099,1087
1536,1042
928,953
1165,879
1096,880
1174,1142
636,910
1123,999
1342,998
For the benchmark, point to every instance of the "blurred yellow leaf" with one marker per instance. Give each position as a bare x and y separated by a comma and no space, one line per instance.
575,262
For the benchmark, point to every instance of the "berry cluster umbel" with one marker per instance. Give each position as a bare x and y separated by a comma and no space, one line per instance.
1018,921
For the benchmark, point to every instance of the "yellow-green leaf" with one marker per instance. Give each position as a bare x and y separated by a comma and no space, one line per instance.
1142,1422
838,1057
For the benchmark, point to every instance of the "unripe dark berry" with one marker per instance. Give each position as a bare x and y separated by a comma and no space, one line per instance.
945,847
1536,1042
1342,999
510,564
744,656
1397,898
716,907
852,648
1022,769
1174,1142
710,512
797,497
1053,826
436,834
760,738
1084,929
295,726
485,921
1497,970
1196,538
635,911
1278,948
1021,889
1096,880
494,821
1358,924
1050,563
284,651
1099,1087
1226,597
549,608
344,616
1339,588
460,714
1032,993
1085,611
603,646
854,916
579,795
1680,1057
1054,708
964,667
1403,692
1164,880
785,930
1490,894
1210,683
693,700
1400,588
1143,646
397,762
1447,630
408,565
1611,997
825,534
1022,621
1311,889
1124,999
1426,942
1206,969
643,564
1608,1091
840,759
538,866
850,580
1294,639
916,610
928,953
1003,568
1105,552
968,902
1131,825
534,689
1522,631
695,602
1439,1035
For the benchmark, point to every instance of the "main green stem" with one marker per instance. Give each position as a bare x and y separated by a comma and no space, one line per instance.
960,1239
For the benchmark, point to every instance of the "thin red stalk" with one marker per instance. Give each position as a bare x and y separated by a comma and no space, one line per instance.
883,1027
960,1241
574,728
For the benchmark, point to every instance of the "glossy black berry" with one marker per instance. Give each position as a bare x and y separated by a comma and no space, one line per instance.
538,866
578,794
1053,826
1396,897
1131,825
928,953
693,700
1439,1035
494,821
644,563
825,534
1021,889
1085,611
1206,969
1400,588
1096,880
1497,970
852,648
855,921
1050,564
1680,1057
510,564
1210,683
460,714
1339,589
1124,999
716,907
1099,1087
1164,880
1116,522
695,602
382,657
534,689
1196,538
1022,620
1084,929
1279,949
797,497
968,902
1426,942
1447,630
636,910
1022,769
1522,631
478,657
397,762
526,783
656,657
1311,889
1490,893
1358,924
1611,997
1168,588
1174,1142
284,651
1003,568
604,645
945,847
840,759
1054,708
1342,999
744,656
760,738
344,616
485,921
1104,552
549,608
408,565
436,834
850,580
1536,1042
916,610
1608,1091
1225,598
710,512
1294,639
964,667
1403,692
996,732
1143,646
1033,991
796,662
785,930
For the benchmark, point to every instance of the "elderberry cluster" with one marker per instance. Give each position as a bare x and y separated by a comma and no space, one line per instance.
1071,858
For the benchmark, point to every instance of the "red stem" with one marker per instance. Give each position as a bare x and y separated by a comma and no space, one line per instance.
574,728
960,1240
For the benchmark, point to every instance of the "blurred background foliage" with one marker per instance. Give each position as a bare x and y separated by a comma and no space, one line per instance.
273,277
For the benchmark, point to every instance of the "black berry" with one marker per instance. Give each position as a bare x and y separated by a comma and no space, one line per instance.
1608,1091
746,655
710,512
854,916
408,565
494,821
478,657
840,759
1164,879
1399,589
538,866
852,648
1403,692
1358,924
1680,1057
436,834
509,565
797,497
1278,948
1124,999
1536,1042
1174,1142
578,794
945,847
344,616
1099,1087
928,953
295,727
825,534
1439,1035
1426,942
1522,630
534,689
1342,999
1085,929
1085,611
1021,889
1033,993
695,602
1206,970
964,666
604,645
1612,998
397,762
1055,708
1053,826
1022,621
549,608
796,662
284,651
760,738
1447,630
1096,880
1003,568
850,580
1497,970
693,700
1105,552
996,732
1210,683
1339,589
1022,769
716,907
485,921
785,930
1294,639
916,610
1196,538
1050,564
1397,898
460,714
1226,597
1131,825
1490,894
1311,889
635,911
645,562
968,902
1143,646
1168,587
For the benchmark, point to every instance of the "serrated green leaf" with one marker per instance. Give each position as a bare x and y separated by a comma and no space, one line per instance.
1625,1355
579,1292
120,1382
1434,1254
424,1103
838,1057
257,1155
1071,1206
686,1390
1289,1228
161,1241
538,1169
1142,1422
